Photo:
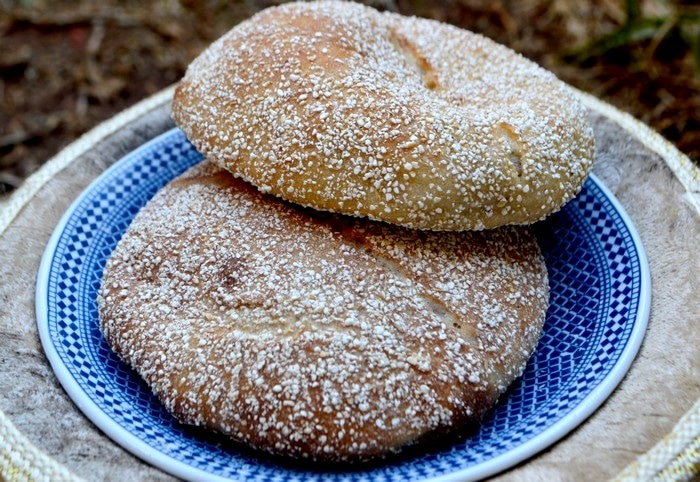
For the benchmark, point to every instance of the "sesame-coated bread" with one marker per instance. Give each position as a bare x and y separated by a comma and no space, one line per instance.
316,335
339,107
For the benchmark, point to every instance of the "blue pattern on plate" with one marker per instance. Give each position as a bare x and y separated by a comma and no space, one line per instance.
594,267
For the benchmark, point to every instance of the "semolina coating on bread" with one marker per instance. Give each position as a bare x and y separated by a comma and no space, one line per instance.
336,106
315,335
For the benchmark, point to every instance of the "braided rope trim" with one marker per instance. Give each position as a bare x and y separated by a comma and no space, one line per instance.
21,461
676,457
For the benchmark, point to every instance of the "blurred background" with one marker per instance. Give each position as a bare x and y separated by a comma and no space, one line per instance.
65,66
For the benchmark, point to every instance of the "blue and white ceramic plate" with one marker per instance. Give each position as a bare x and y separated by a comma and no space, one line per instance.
600,294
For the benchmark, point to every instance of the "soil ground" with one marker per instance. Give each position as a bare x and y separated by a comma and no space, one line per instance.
65,66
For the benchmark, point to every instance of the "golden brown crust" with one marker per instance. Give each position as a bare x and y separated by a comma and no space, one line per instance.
336,106
317,335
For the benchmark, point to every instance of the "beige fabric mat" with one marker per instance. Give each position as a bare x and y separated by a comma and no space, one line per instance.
648,429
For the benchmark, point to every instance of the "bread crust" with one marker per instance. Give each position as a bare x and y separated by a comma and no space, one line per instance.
336,106
314,335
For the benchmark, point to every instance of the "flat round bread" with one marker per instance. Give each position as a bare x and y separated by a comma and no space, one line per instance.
339,107
316,335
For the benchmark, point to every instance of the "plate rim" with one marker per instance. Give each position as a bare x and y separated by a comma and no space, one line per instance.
130,442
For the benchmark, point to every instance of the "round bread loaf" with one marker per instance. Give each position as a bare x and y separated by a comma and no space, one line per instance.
339,107
317,335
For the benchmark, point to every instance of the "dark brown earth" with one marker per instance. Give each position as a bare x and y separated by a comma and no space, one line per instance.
65,66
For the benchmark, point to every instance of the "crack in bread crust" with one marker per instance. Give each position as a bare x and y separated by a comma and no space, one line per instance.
413,56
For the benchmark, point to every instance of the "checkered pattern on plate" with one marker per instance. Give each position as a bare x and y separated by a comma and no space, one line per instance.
594,276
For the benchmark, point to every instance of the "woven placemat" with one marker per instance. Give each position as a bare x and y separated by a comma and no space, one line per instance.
648,429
